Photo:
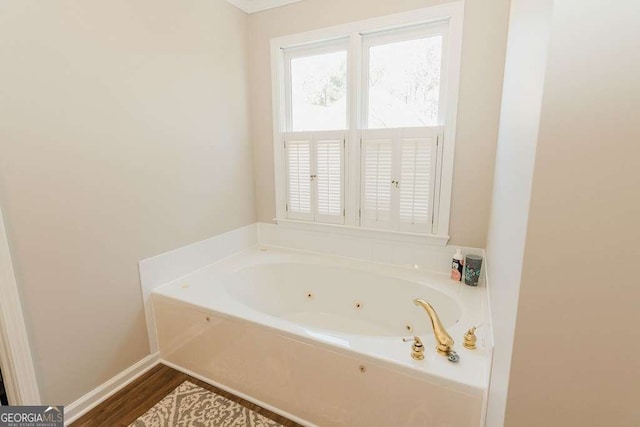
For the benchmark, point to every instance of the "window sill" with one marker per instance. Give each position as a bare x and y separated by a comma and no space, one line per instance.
358,232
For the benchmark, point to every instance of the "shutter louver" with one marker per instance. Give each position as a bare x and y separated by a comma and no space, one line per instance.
377,172
329,178
415,181
299,179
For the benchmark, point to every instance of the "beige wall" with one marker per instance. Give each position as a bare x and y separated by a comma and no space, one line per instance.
577,341
123,134
485,29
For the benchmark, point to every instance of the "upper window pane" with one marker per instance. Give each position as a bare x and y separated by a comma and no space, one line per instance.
319,92
404,83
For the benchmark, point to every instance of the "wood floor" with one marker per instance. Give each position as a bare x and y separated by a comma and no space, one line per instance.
128,404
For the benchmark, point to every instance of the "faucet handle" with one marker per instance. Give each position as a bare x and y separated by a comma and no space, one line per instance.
470,339
417,349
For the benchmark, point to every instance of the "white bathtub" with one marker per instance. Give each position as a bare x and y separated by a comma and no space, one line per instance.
319,338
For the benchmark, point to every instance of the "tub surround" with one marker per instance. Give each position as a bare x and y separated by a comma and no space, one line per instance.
393,249
223,323
164,268
160,269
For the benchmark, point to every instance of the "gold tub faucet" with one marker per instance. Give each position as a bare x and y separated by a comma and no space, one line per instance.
445,342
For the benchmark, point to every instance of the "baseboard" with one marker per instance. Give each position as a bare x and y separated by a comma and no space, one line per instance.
99,394
239,394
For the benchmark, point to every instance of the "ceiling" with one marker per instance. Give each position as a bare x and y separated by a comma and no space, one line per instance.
252,6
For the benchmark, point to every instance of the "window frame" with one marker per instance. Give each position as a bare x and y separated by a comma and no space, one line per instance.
450,13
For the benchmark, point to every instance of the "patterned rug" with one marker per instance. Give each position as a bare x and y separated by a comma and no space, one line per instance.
190,405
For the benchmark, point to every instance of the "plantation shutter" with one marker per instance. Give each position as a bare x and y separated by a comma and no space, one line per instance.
329,177
298,163
315,176
398,178
418,153
377,175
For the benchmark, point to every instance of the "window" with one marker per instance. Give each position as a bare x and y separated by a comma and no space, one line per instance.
318,86
403,77
364,122
314,140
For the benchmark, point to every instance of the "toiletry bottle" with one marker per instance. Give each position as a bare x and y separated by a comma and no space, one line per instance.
456,266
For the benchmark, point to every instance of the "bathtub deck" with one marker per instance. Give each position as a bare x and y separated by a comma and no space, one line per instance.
128,404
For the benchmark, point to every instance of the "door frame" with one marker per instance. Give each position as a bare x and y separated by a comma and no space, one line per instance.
15,352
